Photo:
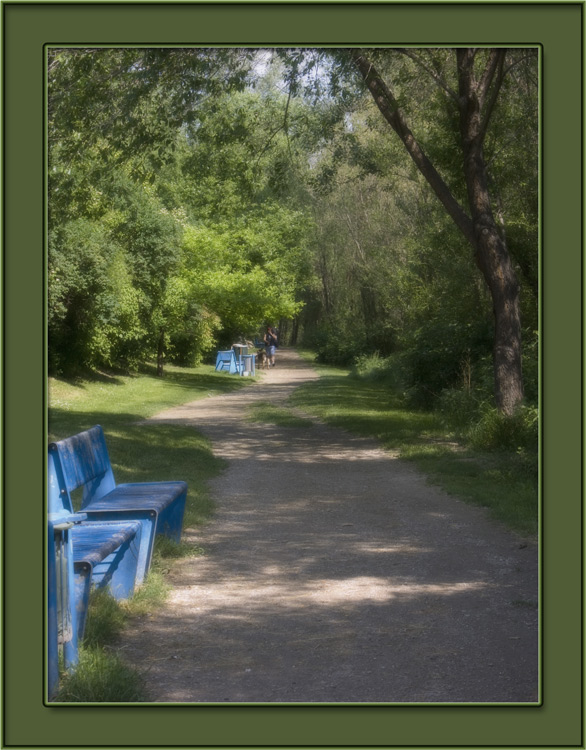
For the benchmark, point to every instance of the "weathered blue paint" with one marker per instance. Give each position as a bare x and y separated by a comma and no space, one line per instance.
62,614
105,555
109,544
83,461
81,554
55,614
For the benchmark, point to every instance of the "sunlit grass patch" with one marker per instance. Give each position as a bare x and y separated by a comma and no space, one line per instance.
278,415
133,397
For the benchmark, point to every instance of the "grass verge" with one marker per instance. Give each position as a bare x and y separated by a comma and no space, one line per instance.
268,413
505,482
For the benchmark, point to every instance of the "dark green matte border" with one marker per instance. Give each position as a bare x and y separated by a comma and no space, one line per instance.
26,28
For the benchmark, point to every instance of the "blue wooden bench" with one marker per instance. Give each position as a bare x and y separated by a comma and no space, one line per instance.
226,362
105,555
59,601
82,556
82,461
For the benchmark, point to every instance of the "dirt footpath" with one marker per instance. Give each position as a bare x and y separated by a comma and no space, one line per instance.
333,573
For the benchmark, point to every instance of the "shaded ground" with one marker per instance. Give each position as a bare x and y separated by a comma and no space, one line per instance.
334,573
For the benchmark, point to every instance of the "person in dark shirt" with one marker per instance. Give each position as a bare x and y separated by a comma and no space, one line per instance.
270,339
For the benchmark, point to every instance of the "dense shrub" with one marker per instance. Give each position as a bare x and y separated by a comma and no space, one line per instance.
459,408
336,344
389,370
444,355
496,431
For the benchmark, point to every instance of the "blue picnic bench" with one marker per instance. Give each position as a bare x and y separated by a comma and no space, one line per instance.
226,362
229,361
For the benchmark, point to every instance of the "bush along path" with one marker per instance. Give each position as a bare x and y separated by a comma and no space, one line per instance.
333,573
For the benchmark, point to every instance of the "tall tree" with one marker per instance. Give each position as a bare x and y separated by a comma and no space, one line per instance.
480,75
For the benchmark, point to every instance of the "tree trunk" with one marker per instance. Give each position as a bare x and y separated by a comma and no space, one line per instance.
491,254
496,267
160,352
295,331
476,100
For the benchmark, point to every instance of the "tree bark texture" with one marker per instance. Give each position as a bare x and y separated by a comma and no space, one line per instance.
161,353
476,100
492,258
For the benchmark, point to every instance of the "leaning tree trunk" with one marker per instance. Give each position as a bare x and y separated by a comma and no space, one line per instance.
475,98
476,101
494,262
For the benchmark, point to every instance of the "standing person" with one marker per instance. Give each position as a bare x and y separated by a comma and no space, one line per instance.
270,340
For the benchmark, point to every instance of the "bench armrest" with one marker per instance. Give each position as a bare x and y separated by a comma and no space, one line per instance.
62,523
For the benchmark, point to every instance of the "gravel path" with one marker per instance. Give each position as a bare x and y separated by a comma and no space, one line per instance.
333,573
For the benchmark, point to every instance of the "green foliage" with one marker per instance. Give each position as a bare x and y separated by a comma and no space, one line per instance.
336,342
107,272
247,271
191,200
459,408
166,242
443,355
497,432
394,274
388,370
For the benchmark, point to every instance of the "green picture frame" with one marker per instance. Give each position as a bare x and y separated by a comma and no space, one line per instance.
27,27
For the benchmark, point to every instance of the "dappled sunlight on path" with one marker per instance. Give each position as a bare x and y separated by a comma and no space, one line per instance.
334,573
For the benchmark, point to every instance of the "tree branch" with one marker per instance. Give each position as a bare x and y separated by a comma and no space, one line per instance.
391,111
430,71
495,64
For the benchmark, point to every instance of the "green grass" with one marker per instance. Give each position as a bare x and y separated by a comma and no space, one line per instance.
101,677
279,415
138,452
505,482
145,452
126,398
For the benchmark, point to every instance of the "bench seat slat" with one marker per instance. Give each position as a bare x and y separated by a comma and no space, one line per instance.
153,495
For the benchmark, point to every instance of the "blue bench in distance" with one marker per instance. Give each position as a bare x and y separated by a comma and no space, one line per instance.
82,461
226,362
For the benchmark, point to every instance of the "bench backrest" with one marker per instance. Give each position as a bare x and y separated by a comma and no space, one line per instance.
83,461
59,500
